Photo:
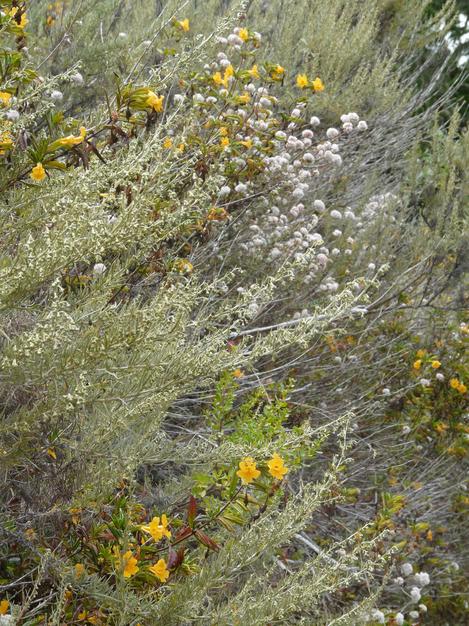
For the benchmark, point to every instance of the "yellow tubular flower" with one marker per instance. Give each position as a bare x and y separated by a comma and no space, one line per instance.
276,467
154,102
229,71
302,81
70,141
254,72
130,564
4,605
160,570
417,364
277,72
167,143
243,34
248,471
79,569
244,98
23,21
158,529
38,172
5,97
436,365
185,25
317,84
6,142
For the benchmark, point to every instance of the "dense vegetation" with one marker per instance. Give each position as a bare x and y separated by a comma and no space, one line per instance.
233,313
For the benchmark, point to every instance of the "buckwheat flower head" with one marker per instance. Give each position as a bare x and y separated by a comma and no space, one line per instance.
415,594
414,615
332,133
12,115
315,121
78,79
56,95
378,616
99,268
319,205
337,215
362,125
225,190
423,608
422,579
406,569
399,580
399,619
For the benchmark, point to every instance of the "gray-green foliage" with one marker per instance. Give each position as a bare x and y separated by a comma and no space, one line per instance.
105,381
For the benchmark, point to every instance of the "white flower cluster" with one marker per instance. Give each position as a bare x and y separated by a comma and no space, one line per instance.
295,220
415,581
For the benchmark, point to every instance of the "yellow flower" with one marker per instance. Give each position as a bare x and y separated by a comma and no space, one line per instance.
224,142
218,78
243,34
158,529
5,97
417,364
277,72
154,102
441,427
223,131
181,147
254,72
6,142
277,468
455,383
4,606
130,564
247,144
436,365
70,141
38,172
247,470
183,266
317,84
23,21
302,81
217,214
160,570
167,143
421,353
238,373
184,24
79,569
244,98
